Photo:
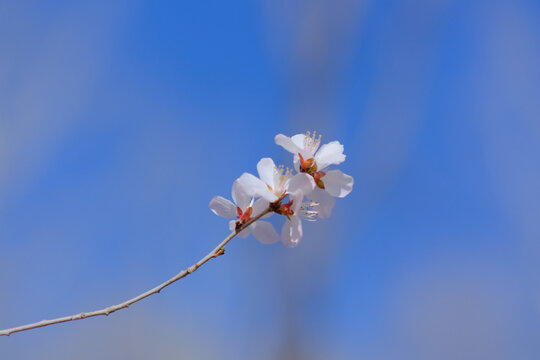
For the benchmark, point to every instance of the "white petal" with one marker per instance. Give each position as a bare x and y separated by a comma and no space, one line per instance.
292,232
255,187
303,182
223,207
299,140
250,183
329,154
337,183
265,232
259,206
296,197
296,162
287,143
244,233
239,195
267,171
325,200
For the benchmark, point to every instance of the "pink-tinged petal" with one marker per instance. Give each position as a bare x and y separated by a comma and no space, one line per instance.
291,234
337,183
259,206
303,182
254,186
287,143
286,234
265,232
244,233
267,171
329,154
239,195
223,207
325,200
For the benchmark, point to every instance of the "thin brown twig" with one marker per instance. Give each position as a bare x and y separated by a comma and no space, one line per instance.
219,250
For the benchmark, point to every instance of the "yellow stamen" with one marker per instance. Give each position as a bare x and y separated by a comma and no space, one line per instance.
312,142
309,211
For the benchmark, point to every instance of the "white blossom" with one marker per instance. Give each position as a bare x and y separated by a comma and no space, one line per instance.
241,211
283,193
312,160
274,185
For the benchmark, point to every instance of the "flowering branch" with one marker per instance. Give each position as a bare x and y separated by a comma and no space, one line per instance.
218,251
264,196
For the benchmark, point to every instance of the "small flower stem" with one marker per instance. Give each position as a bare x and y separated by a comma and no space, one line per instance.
219,250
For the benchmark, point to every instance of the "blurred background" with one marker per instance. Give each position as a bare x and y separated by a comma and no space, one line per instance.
120,120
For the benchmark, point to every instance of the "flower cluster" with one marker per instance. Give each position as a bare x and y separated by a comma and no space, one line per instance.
307,194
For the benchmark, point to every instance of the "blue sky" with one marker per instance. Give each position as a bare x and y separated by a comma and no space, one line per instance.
119,121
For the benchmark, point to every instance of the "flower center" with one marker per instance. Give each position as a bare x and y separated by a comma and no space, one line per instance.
281,176
309,211
309,166
243,216
312,142
285,209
